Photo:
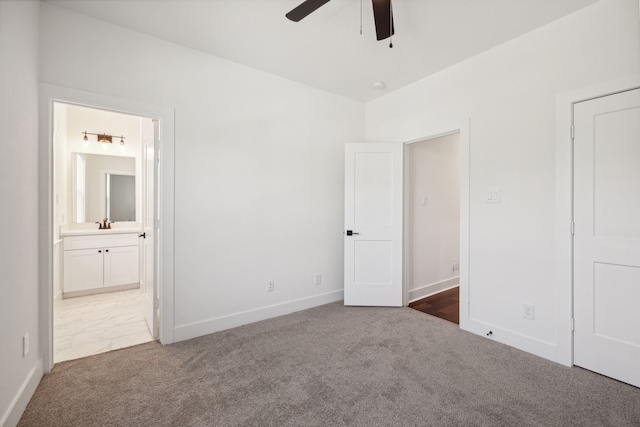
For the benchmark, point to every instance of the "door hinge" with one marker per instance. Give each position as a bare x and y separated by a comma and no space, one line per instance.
573,228
573,325
572,131
156,223
156,304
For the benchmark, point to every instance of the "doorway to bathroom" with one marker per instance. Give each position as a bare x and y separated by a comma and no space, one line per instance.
105,194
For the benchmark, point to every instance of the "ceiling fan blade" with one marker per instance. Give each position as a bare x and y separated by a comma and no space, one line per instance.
305,9
383,16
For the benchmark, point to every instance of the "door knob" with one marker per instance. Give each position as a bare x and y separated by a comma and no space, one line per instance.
351,233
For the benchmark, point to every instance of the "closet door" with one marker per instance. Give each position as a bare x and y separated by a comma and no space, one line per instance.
607,236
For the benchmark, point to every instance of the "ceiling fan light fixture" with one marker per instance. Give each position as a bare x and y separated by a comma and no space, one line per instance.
305,8
382,14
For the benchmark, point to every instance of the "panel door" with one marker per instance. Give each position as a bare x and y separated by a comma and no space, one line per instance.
148,283
373,224
121,266
82,270
607,236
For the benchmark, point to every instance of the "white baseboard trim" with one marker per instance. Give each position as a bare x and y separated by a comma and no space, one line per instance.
19,403
433,288
222,323
537,347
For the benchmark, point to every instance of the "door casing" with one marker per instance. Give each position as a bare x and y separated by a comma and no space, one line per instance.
599,252
564,207
48,94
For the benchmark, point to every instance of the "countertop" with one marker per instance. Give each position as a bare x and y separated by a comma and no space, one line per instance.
96,231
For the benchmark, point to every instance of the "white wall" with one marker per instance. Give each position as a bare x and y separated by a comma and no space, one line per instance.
60,192
19,208
509,93
258,173
61,159
434,224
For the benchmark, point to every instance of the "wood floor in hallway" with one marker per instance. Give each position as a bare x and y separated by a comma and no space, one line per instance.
445,305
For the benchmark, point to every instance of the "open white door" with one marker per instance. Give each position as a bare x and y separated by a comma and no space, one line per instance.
149,248
373,224
607,236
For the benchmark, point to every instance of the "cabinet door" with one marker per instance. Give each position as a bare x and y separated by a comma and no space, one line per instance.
121,266
82,270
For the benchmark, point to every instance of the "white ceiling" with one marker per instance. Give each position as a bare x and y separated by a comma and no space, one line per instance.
325,50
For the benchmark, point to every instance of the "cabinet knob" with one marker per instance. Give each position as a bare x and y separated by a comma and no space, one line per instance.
100,251
106,250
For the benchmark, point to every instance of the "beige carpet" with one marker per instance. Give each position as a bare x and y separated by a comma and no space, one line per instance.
330,366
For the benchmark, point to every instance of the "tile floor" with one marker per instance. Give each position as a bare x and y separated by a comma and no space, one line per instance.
92,324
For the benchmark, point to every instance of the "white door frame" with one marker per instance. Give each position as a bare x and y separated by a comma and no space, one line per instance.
48,94
438,130
564,206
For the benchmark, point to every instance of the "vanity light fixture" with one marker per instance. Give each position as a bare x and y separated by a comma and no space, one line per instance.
102,138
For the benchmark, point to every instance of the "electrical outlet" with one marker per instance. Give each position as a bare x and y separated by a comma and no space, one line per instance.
318,279
455,265
270,286
528,310
25,344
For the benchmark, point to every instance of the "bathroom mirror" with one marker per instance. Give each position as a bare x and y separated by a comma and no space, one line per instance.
103,187
120,197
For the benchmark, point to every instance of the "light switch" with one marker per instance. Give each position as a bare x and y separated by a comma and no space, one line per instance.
424,200
493,195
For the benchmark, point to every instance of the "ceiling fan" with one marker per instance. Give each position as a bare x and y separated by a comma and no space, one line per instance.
382,13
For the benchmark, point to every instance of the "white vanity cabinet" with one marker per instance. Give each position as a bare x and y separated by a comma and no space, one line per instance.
83,270
96,263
